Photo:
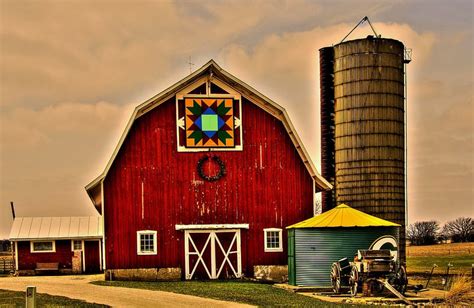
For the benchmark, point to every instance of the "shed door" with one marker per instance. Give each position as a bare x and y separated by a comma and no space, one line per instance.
212,254
92,256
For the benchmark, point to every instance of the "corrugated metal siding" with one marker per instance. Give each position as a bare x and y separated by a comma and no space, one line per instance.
316,249
266,185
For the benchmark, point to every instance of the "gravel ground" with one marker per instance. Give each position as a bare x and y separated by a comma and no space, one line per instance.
79,287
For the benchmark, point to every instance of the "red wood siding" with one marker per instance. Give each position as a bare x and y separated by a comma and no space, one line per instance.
28,260
276,194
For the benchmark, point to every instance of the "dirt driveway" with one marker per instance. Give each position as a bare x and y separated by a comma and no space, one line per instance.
79,287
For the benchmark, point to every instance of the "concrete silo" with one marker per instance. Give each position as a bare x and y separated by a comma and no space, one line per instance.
367,165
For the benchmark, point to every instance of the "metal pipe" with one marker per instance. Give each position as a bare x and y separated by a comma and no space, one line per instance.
13,209
405,140
431,274
358,24
446,279
30,297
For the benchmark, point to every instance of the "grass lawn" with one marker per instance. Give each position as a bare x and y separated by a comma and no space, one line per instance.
460,264
17,299
263,295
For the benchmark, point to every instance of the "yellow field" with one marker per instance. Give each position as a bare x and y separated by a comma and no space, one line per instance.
454,249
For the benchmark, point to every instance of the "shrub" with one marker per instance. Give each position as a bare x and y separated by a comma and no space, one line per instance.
460,292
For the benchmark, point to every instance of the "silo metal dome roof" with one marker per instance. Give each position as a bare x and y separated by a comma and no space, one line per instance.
343,216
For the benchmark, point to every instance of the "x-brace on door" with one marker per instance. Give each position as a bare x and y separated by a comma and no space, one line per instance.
212,251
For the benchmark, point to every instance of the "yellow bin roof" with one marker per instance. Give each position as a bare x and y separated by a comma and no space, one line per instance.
343,216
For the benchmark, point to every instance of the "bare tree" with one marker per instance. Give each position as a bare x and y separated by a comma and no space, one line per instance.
460,229
423,232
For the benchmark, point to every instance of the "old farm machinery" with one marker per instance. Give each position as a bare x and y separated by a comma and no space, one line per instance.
371,271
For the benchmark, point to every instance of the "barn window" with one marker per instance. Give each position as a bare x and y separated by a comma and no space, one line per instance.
46,246
273,240
76,245
146,242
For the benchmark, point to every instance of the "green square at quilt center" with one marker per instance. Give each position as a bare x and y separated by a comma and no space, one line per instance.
209,122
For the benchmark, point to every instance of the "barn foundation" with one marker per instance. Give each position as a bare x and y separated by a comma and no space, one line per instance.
30,272
144,274
276,273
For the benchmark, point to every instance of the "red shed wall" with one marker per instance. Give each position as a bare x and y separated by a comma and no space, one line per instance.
274,193
28,260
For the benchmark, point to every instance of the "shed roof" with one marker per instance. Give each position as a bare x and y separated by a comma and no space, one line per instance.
343,216
42,228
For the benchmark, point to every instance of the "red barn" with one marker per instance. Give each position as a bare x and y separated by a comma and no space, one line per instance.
205,178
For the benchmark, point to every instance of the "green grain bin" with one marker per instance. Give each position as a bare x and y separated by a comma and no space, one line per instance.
314,244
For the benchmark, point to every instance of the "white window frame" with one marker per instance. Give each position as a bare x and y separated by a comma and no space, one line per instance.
280,239
155,240
32,247
72,245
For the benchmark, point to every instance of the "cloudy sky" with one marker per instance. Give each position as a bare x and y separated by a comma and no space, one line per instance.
72,71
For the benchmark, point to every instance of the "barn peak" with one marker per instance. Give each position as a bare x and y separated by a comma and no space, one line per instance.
210,73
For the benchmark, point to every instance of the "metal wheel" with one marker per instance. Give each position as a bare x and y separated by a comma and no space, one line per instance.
336,278
354,280
401,280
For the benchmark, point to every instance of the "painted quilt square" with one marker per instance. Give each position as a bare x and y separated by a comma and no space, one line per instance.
209,122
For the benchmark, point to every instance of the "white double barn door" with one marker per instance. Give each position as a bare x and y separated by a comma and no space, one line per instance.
212,254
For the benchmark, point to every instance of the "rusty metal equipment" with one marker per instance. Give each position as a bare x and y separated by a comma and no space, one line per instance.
431,274
371,270
447,280
340,271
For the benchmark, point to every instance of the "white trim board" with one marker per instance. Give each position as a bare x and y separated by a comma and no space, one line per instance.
49,239
32,246
155,245
280,240
16,256
103,224
72,245
211,226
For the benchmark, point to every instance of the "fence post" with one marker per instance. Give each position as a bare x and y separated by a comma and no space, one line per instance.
31,297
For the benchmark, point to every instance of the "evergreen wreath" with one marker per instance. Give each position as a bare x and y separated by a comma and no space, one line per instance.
209,178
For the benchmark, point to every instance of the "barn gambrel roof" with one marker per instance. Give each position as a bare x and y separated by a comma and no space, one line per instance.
211,68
